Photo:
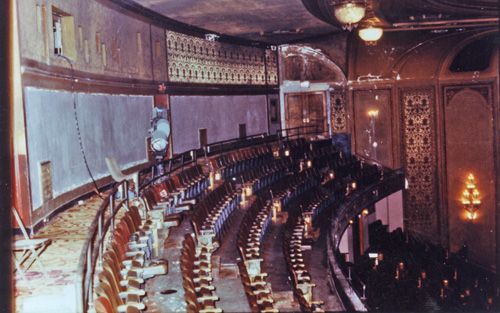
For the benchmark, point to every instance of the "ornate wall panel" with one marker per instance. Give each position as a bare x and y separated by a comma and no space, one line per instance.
339,111
272,67
419,159
470,149
196,60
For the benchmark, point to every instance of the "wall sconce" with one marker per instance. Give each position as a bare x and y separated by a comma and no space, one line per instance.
372,142
373,113
287,152
470,198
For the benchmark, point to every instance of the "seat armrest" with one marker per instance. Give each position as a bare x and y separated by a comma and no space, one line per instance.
132,293
205,298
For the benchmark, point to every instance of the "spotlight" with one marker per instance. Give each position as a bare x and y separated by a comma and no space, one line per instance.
159,137
160,130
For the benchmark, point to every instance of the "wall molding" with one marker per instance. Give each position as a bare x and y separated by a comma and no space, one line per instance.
37,74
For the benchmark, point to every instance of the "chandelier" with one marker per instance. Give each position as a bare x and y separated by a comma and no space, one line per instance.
370,28
349,12
370,34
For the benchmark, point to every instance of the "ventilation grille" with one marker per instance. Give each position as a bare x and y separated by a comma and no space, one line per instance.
46,180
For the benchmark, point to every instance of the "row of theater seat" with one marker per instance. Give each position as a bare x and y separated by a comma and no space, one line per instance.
266,174
253,229
326,160
250,237
294,185
318,201
196,269
296,148
127,262
235,162
170,192
301,279
211,214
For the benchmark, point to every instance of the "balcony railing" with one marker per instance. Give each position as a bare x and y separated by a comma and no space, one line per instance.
348,286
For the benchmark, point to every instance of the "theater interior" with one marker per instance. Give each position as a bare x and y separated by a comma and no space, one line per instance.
249,156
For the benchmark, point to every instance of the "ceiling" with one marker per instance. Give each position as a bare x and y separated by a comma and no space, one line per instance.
283,21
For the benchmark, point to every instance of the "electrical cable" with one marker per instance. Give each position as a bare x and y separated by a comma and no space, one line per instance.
77,124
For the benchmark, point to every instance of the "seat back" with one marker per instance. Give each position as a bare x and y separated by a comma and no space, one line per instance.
103,305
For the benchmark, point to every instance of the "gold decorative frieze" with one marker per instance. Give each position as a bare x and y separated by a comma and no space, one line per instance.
197,60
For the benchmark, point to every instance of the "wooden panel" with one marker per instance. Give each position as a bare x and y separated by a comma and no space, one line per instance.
307,109
469,149
315,111
369,131
294,111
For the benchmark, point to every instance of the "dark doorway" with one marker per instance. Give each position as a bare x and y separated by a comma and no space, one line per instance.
243,130
203,137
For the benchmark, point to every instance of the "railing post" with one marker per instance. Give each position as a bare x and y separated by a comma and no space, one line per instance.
112,210
100,237
88,292
125,190
205,152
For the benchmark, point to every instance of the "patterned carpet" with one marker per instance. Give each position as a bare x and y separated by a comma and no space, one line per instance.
55,291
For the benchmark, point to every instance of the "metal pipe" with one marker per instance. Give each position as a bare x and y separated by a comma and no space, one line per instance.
125,190
90,288
430,27
112,210
459,23
100,236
